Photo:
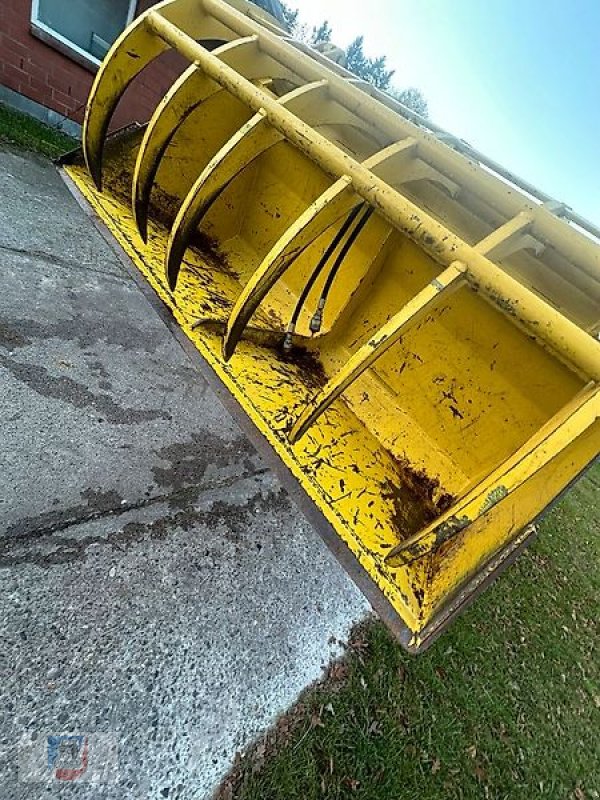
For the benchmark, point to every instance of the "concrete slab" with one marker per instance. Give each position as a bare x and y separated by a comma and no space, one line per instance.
156,581
38,221
98,391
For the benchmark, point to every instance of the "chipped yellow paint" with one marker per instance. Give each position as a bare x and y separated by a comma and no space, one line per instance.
359,483
356,500
546,445
379,343
451,390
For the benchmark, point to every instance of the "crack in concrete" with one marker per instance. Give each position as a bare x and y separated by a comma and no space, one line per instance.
71,548
106,504
63,263
100,505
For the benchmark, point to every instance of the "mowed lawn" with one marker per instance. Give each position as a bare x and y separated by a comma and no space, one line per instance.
506,704
26,132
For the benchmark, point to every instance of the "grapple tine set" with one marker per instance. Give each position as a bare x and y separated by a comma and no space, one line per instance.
413,330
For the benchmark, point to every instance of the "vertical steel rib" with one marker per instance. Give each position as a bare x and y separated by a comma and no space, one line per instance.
378,344
252,139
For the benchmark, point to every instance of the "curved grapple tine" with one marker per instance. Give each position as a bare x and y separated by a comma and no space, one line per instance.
326,210
134,49
248,143
189,92
333,204
252,139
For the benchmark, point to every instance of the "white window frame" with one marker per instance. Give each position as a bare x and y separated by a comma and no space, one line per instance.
64,45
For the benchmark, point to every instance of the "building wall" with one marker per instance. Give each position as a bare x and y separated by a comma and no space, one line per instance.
39,72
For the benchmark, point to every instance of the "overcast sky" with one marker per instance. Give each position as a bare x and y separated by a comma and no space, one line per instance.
518,79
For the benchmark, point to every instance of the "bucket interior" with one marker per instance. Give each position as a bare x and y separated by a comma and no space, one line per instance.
461,391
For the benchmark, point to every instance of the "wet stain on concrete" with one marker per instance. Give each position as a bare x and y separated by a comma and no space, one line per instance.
65,389
231,517
189,460
11,338
50,549
98,368
89,326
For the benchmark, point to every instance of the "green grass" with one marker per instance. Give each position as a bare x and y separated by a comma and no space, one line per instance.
504,705
27,132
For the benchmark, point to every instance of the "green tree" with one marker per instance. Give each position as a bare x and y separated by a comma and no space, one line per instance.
412,98
374,70
291,17
321,34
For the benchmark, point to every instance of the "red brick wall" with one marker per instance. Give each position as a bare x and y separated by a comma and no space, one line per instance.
38,71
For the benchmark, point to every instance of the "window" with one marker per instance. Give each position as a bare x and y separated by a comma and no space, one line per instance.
82,29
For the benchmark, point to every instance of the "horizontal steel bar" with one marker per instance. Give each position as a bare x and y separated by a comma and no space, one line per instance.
524,307
369,106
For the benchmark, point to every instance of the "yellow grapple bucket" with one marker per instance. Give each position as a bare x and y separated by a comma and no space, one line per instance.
412,330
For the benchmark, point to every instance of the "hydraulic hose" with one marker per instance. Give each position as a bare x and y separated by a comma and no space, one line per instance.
333,245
